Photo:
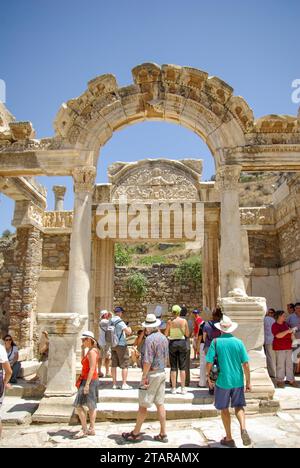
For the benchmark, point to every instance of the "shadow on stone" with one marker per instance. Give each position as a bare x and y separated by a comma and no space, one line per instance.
65,434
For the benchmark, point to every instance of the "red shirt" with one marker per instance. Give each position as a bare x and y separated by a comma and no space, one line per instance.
281,344
197,324
86,368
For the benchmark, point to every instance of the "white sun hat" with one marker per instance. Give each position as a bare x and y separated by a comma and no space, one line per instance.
88,334
151,321
103,312
226,325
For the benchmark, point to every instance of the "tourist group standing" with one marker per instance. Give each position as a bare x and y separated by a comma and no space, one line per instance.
282,344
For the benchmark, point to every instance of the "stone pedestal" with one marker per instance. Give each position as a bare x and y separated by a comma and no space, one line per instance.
56,406
249,313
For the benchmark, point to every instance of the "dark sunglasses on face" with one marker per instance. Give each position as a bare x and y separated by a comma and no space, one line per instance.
8,339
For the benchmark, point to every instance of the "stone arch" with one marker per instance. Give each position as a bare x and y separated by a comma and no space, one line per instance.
182,95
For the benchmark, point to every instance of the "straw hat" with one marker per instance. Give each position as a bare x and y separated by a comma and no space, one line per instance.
151,321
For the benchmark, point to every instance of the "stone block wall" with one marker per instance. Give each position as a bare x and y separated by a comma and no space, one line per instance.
56,249
24,284
7,269
264,249
163,288
289,242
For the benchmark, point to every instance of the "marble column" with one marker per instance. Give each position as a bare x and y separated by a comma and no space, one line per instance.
232,275
210,255
104,277
59,193
80,249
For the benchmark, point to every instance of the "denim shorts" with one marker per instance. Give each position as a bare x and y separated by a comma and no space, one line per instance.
223,398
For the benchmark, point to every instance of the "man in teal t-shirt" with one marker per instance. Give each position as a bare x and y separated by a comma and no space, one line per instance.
233,363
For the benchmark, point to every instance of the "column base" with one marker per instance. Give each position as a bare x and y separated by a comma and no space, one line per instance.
249,313
55,410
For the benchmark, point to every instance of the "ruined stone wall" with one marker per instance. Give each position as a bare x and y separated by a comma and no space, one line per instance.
7,269
56,249
163,288
289,242
24,283
264,249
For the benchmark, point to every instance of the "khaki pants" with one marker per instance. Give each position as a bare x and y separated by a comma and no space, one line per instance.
284,366
155,393
271,360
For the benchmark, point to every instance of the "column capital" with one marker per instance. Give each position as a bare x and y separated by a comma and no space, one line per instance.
84,178
59,190
227,178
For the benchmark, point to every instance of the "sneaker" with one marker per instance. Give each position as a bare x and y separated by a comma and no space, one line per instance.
246,438
182,391
126,387
173,391
116,387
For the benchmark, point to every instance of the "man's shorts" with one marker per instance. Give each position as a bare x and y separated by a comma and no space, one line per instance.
105,352
223,398
155,393
120,357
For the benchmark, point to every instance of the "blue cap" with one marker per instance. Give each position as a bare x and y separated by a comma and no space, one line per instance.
118,309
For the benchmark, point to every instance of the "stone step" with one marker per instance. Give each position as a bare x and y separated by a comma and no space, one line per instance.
16,411
128,411
193,396
29,368
25,389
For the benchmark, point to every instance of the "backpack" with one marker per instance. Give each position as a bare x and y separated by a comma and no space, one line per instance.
111,337
212,335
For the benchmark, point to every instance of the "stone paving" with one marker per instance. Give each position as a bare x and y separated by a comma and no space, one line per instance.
281,431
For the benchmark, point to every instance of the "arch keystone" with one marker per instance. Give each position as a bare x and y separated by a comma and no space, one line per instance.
146,73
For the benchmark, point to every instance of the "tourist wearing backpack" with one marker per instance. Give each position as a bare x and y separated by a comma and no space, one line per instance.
105,347
116,335
210,331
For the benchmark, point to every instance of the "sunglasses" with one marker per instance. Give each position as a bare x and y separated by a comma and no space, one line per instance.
8,339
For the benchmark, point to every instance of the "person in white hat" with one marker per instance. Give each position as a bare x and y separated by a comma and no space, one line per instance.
152,387
233,363
87,384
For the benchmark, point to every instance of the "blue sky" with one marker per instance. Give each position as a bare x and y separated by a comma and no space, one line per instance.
51,49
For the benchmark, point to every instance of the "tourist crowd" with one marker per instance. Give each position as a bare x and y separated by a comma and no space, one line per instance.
223,362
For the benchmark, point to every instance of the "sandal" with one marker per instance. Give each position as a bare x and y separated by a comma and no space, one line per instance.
80,435
228,443
131,437
91,432
161,438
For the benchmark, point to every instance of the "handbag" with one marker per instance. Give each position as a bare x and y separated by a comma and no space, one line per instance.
78,382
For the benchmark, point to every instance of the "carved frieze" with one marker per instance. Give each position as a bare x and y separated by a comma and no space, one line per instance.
58,219
155,181
257,216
